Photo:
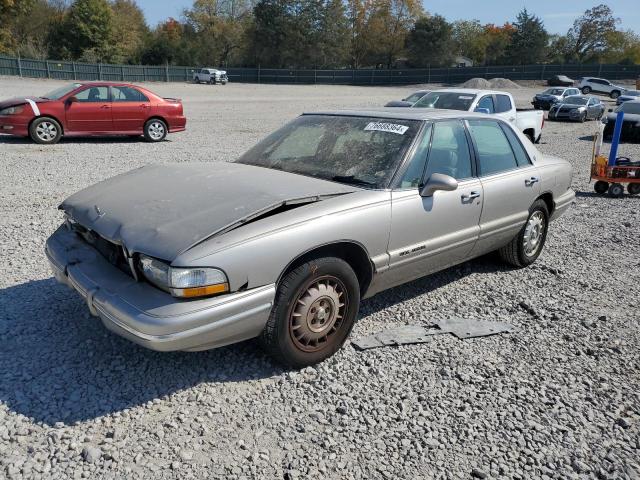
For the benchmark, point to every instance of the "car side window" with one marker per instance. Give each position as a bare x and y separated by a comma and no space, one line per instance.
412,178
449,153
504,104
487,102
494,151
93,95
127,94
521,154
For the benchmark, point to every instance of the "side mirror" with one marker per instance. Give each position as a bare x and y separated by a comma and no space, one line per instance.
482,110
71,100
438,181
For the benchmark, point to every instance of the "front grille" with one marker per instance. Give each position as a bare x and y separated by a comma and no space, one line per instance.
112,252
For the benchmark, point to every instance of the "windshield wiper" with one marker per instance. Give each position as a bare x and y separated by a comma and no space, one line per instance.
352,180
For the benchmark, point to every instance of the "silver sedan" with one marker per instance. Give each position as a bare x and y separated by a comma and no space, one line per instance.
284,243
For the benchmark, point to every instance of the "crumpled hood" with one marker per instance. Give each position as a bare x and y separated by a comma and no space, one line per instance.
12,102
163,210
546,97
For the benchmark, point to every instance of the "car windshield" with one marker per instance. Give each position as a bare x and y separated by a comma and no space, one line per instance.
414,97
446,100
553,91
630,107
576,100
58,93
362,151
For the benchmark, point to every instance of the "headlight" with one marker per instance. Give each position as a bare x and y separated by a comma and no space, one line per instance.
12,110
184,282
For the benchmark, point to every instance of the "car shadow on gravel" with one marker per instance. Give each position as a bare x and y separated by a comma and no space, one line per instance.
59,364
79,140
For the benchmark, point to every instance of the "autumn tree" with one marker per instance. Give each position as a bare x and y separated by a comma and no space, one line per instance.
497,40
130,31
590,33
430,42
469,40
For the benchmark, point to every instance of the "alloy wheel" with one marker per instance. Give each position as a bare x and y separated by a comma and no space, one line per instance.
46,131
534,233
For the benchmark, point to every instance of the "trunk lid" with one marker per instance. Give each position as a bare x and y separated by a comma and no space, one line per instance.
163,210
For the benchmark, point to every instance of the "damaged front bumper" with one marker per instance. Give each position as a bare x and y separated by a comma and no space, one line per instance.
148,316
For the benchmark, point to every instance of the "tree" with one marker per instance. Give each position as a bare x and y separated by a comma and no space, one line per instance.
130,31
591,32
85,33
497,41
529,40
469,40
9,11
430,42
623,47
389,25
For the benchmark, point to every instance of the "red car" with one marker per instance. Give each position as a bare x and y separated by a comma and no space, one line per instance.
92,109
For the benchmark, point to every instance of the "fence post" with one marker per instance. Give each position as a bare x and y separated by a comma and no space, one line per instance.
258,73
542,74
144,74
99,71
600,69
166,72
73,68
48,69
19,66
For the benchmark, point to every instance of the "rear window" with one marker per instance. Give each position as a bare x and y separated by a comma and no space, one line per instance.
504,103
446,100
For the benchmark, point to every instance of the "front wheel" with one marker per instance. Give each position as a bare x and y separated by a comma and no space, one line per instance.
314,311
45,131
155,130
526,247
615,94
586,90
601,187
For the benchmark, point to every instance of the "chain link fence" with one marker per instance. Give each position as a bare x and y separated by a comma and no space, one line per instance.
140,73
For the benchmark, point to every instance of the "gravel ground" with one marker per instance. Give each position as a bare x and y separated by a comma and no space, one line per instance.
559,399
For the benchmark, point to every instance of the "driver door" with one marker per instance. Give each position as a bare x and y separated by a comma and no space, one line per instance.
90,112
431,233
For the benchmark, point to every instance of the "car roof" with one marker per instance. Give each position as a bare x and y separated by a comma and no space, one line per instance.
402,113
470,91
106,84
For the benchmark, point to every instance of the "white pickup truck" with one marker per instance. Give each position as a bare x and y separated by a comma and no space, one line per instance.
500,104
210,75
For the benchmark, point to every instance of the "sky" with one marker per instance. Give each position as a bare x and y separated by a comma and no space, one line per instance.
557,15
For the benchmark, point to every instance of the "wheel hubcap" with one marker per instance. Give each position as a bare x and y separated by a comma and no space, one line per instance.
317,313
156,130
46,131
534,233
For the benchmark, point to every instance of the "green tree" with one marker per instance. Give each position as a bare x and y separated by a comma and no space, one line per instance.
10,10
130,31
469,39
529,40
497,41
590,33
430,42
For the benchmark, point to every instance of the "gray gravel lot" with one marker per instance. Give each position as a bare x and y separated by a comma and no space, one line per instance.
559,399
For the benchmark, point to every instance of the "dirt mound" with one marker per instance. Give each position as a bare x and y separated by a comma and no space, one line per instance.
477,83
503,83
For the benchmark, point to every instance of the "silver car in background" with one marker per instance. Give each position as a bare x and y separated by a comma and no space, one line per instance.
284,243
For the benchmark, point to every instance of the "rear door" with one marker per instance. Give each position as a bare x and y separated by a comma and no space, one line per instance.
509,182
130,108
431,233
91,112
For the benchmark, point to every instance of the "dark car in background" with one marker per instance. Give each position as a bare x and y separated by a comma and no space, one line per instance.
630,124
577,108
550,96
408,101
628,96
92,109
560,81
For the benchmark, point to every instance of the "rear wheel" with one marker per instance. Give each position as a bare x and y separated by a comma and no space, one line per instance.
601,187
45,131
586,90
155,130
615,94
314,311
633,188
526,247
616,190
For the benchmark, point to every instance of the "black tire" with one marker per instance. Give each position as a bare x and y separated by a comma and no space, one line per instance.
583,117
45,131
514,253
319,280
633,188
155,130
615,94
586,90
601,187
616,190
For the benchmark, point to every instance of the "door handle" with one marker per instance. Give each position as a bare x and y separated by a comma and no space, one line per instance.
105,106
144,105
530,181
470,196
